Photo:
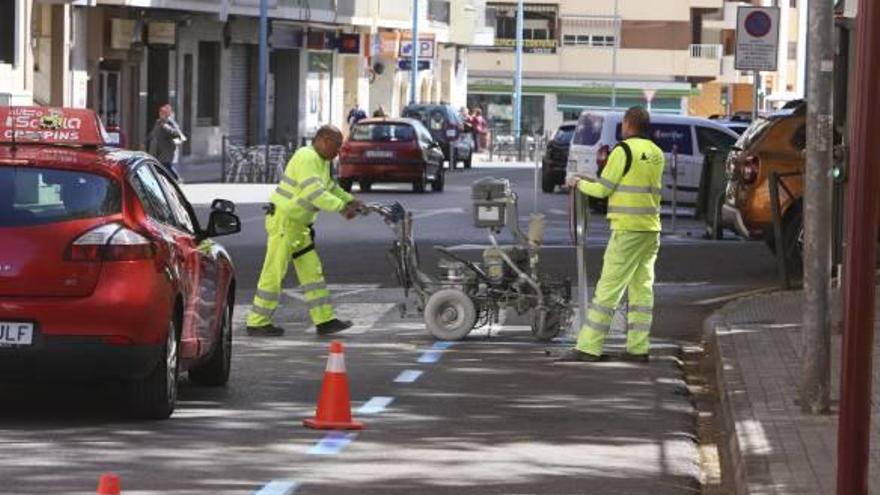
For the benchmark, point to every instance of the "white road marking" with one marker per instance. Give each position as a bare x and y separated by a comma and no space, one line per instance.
418,215
278,488
735,295
408,376
375,405
333,443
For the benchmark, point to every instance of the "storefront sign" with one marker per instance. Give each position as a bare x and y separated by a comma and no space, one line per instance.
349,43
161,33
121,32
426,47
529,46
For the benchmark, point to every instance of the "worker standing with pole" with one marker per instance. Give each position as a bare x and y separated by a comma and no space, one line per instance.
632,182
862,215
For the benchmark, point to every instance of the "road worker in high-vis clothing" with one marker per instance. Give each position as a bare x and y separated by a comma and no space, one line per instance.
305,189
632,182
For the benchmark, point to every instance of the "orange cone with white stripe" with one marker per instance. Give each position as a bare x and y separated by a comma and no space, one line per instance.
334,404
108,484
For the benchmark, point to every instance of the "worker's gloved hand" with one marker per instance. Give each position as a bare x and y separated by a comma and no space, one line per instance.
573,180
351,209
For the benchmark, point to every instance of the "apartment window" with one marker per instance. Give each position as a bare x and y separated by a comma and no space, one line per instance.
597,31
438,11
539,25
588,40
209,84
7,31
793,3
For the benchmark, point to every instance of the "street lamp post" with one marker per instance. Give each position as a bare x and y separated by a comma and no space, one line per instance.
414,70
262,71
517,82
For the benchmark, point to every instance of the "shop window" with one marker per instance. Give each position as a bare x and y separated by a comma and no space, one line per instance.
7,31
209,84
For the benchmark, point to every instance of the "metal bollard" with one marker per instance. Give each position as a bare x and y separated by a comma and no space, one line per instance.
223,159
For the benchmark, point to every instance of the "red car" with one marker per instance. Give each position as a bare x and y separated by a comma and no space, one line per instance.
391,150
104,268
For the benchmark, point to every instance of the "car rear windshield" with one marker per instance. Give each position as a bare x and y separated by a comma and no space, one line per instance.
563,134
434,118
386,132
36,196
588,130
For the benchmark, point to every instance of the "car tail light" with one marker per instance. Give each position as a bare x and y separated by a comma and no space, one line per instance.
749,171
111,242
602,156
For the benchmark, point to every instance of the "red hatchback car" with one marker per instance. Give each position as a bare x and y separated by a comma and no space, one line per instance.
104,269
391,150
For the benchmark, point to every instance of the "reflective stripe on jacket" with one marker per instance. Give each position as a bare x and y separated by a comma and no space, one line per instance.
634,198
306,188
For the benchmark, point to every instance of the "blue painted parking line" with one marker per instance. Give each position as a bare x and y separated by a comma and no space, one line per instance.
333,443
443,345
278,488
408,376
430,356
375,405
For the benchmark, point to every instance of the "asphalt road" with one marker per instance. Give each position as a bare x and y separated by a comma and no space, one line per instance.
489,414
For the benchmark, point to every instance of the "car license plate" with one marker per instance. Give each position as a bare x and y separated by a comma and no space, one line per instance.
379,154
15,333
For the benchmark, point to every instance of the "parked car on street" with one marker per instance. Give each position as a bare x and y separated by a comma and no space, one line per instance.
105,271
772,144
680,137
391,150
556,157
736,126
447,128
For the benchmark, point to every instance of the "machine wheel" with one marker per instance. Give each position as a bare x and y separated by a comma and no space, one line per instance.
155,395
215,372
419,185
439,180
546,325
450,314
366,185
345,184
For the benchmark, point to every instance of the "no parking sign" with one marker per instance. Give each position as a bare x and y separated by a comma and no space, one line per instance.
757,38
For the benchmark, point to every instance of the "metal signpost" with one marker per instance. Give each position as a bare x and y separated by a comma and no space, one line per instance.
757,42
414,70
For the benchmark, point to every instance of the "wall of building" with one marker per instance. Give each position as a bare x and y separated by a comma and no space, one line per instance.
16,80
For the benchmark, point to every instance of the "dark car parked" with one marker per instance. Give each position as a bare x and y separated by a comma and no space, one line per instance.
446,128
555,160
390,150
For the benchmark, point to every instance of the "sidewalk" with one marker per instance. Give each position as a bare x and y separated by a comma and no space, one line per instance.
769,445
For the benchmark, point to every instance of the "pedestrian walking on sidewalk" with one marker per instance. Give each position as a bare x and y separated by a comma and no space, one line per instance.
163,139
632,182
305,189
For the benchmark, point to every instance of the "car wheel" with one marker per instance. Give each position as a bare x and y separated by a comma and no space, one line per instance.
419,185
547,183
155,395
345,184
439,180
366,185
215,372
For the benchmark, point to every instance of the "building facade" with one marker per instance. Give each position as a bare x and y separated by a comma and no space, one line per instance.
606,54
126,58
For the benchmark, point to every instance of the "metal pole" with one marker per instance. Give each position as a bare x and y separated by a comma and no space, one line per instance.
854,429
616,22
517,81
414,70
816,363
674,187
756,88
262,71
537,173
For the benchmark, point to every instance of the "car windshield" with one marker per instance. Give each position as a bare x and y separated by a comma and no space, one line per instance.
434,118
387,132
563,134
36,196
588,130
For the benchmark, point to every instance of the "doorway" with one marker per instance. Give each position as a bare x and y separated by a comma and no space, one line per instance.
158,58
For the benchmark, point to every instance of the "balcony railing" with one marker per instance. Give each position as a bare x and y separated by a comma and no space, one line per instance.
710,52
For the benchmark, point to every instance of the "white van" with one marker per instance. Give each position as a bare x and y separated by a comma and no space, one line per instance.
597,133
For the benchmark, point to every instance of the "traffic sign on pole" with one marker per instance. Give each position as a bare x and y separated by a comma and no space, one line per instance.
757,38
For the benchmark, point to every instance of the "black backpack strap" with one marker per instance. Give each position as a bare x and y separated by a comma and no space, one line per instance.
629,157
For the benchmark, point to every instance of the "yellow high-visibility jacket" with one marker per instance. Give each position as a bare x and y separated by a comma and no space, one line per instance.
306,188
634,198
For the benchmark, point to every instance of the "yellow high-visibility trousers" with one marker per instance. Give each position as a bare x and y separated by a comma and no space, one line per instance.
628,266
288,241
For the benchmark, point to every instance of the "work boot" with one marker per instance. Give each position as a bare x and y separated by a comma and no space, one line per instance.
634,358
573,355
265,331
333,326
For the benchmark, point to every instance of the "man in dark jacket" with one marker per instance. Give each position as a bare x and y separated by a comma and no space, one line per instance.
161,140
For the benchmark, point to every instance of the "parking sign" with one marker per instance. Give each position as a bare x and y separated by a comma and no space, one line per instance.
757,38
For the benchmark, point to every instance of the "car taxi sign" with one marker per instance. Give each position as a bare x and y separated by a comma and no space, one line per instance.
60,126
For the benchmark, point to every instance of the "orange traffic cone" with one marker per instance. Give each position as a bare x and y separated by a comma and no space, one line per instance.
334,405
108,484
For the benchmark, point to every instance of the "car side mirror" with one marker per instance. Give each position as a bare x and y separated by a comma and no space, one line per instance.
434,144
223,205
222,223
